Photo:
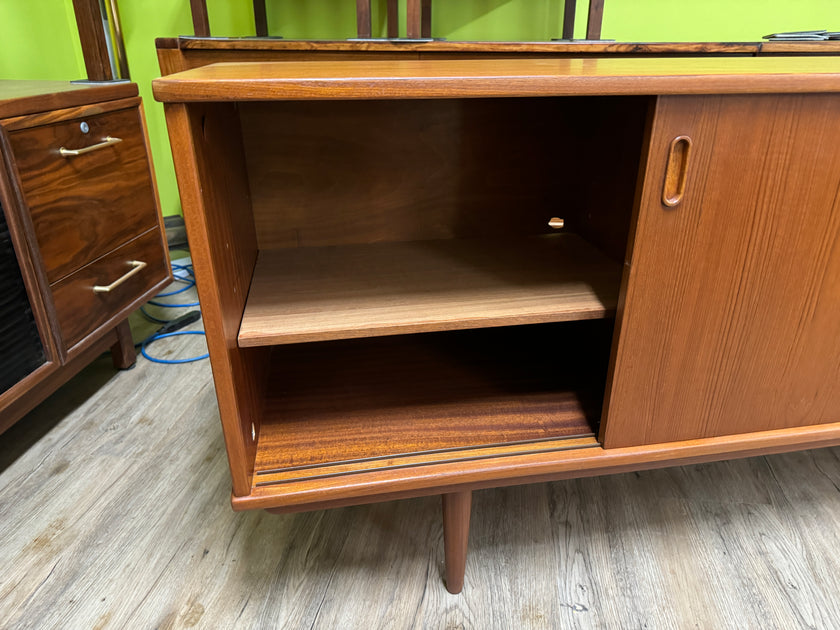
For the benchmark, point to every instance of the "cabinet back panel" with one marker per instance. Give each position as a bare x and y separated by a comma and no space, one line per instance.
340,172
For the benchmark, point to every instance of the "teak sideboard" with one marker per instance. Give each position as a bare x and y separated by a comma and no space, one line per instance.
428,277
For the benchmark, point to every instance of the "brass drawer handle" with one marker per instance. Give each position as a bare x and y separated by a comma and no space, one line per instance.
138,266
107,142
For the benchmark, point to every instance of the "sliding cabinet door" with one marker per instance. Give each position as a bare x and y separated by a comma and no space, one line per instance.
730,314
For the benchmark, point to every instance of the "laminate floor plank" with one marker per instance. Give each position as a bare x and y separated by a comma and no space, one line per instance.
114,513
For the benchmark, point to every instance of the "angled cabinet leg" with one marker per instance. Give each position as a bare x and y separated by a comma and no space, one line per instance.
122,352
456,533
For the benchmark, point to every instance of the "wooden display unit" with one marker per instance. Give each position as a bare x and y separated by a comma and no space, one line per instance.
393,311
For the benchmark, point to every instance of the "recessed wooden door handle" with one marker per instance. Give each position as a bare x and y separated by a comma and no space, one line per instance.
107,142
676,171
137,267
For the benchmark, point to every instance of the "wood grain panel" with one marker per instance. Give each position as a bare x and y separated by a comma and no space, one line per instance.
315,294
84,206
554,47
349,401
18,98
69,113
357,172
730,320
81,311
505,77
210,167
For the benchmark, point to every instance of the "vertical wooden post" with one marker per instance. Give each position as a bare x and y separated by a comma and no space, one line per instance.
260,19
426,19
393,19
201,23
363,25
596,17
412,19
456,533
92,36
569,19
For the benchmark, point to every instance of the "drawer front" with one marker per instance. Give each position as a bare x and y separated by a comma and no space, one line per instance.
81,309
84,206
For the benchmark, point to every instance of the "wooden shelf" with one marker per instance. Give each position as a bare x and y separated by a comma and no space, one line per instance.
323,293
354,406
473,78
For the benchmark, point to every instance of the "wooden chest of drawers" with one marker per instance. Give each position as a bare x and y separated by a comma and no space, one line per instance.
80,203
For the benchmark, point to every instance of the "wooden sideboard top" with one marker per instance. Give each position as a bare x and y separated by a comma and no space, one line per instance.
18,98
315,80
402,45
574,47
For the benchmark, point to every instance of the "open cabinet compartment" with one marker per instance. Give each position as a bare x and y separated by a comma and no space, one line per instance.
374,221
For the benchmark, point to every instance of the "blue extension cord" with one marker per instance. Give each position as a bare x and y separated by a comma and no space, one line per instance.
190,282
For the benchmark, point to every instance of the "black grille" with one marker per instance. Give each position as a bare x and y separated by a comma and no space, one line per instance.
21,351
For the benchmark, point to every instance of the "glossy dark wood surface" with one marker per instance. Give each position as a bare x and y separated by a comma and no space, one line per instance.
27,109
573,47
81,310
18,98
111,195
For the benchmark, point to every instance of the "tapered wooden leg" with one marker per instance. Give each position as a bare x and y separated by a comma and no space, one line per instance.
122,352
456,533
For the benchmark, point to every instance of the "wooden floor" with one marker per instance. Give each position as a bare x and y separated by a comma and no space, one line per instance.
114,514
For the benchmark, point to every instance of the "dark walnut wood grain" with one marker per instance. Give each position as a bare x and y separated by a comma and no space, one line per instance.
80,310
730,323
84,206
577,48
18,98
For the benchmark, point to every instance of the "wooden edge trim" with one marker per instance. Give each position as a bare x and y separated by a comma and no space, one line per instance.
61,115
186,162
532,468
185,90
234,43
69,95
166,42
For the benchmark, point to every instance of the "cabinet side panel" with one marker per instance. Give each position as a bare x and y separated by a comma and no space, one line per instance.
730,318
210,167
20,345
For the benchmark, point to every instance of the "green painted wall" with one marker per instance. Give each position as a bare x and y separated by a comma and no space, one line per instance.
38,38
